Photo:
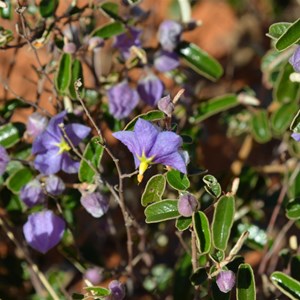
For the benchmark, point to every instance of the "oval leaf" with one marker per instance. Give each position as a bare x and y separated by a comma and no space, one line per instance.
154,189
260,127
93,153
18,179
199,276
293,209
162,211
212,186
286,284
200,61
214,106
245,287
222,221
111,9
177,180
152,115
48,8
98,291
63,76
202,230
76,74
278,29
290,36
183,223
109,30
11,133
282,117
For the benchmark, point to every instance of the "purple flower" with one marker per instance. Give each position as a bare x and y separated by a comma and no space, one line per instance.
32,193
54,185
94,275
187,205
4,159
128,39
166,105
52,150
122,100
95,204
165,61
43,230
295,60
117,290
225,281
169,33
149,145
36,124
150,89
296,136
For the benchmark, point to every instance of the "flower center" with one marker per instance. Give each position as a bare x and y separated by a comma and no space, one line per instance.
145,162
63,146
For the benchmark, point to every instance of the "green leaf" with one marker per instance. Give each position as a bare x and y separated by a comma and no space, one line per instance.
162,211
286,284
76,296
7,12
177,180
48,8
285,90
289,37
295,267
260,127
154,189
212,186
200,61
199,276
292,210
111,9
245,287
183,223
222,221
77,73
152,115
98,291
278,29
214,106
109,30
9,106
202,230
11,133
92,153
18,179
63,75
282,117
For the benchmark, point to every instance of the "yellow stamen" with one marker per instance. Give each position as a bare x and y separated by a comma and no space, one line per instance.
63,146
145,162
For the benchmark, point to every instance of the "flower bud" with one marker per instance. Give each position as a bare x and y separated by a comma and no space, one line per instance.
43,230
36,124
122,100
94,275
165,61
187,205
117,290
166,105
169,33
32,193
54,185
69,48
296,136
150,89
225,281
95,204
4,159
95,43
295,60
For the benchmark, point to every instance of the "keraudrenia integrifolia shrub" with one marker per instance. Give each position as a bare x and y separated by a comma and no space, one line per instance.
43,230
295,60
36,124
165,61
150,89
169,34
149,145
52,150
117,290
95,204
225,281
32,193
54,185
4,160
122,100
187,205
